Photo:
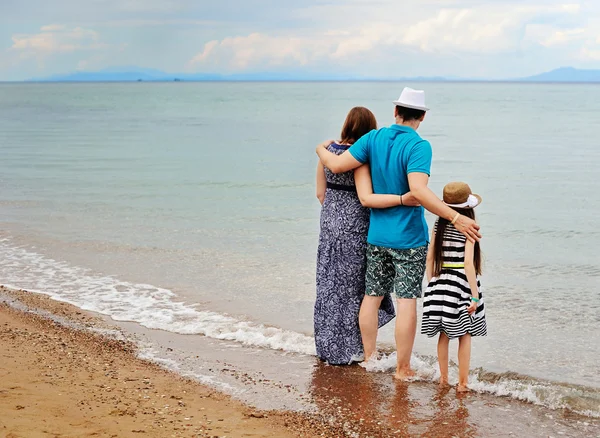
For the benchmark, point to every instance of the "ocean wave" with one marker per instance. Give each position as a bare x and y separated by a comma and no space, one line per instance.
554,395
151,306
158,308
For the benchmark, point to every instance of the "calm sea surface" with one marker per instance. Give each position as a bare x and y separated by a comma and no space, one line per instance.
190,207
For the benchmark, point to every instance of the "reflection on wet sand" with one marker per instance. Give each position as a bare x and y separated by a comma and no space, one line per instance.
400,409
451,415
346,393
376,405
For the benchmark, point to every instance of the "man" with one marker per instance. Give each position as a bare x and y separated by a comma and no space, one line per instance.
400,161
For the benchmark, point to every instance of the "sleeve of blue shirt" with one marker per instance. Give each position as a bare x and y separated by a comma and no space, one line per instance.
360,149
419,160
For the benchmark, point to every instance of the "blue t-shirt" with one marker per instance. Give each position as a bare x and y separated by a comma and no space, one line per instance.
392,154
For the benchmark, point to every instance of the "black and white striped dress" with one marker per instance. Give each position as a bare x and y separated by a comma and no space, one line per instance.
448,296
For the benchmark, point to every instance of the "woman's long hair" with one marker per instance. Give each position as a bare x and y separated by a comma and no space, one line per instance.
359,122
438,250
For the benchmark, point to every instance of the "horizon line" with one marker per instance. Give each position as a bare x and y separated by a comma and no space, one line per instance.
299,80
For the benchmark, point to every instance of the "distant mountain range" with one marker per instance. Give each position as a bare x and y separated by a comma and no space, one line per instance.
566,74
133,74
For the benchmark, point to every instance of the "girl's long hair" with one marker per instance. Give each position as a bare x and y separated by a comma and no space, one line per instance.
359,122
438,250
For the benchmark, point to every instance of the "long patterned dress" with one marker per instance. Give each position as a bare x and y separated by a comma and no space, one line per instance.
341,268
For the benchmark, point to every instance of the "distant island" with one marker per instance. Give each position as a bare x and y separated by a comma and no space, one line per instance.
564,74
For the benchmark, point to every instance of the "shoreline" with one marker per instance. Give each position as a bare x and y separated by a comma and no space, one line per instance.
98,367
64,373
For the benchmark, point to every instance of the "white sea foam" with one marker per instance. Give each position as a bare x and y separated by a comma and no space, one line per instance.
148,305
579,399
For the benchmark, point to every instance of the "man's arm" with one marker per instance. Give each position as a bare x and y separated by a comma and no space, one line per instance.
336,163
418,187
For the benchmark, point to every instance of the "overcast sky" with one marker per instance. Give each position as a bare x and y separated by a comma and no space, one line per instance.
376,38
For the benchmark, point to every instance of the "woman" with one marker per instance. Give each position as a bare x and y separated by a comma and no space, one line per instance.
341,257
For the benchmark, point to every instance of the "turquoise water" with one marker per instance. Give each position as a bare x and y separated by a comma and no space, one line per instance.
174,204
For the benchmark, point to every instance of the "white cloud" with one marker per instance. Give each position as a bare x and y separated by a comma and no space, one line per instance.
486,29
256,49
54,39
385,38
550,36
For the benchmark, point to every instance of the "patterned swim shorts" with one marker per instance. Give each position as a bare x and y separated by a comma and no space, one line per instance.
397,270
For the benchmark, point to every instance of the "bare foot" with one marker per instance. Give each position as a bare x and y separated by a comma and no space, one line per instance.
444,382
368,359
404,374
462,389
372,356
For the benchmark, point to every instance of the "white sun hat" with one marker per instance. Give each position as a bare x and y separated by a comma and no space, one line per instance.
410,98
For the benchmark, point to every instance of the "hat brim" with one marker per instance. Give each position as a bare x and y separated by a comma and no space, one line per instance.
473,201
406,105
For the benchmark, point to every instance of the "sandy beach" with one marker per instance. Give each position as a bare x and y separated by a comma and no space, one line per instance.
65,372
57,381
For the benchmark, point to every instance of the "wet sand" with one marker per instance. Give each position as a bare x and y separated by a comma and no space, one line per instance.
106,390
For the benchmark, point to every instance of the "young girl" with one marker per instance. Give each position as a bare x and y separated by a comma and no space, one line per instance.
452,304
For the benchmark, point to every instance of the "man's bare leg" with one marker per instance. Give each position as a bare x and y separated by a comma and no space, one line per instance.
406,329
368,320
